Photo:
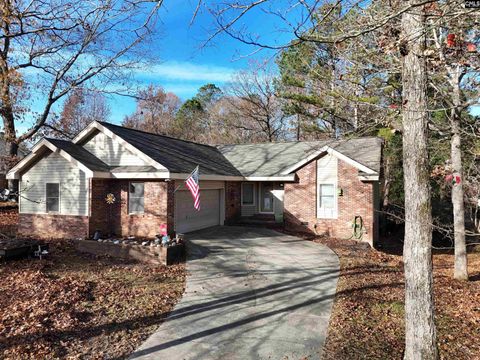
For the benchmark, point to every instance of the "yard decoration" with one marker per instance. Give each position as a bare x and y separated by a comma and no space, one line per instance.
110,199
453,179
451,41
471,47
163,229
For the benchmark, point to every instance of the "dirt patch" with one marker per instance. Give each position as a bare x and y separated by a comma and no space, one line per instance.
74,306
368,314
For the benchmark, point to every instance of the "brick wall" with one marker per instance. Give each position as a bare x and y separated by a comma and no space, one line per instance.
158,209
232,201
301,202
48,226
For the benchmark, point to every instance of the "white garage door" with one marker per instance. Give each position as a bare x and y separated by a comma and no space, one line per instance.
188,219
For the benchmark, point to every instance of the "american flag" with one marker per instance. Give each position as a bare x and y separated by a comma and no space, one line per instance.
192,185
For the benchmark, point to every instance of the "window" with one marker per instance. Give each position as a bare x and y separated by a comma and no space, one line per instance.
327,196
52,191
327,207
248,196
136,197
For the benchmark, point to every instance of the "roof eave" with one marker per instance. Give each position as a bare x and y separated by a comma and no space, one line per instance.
95,125
336,153
369,177
15,172
289,177
183,176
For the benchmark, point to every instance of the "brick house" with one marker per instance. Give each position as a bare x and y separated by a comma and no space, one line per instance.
315,186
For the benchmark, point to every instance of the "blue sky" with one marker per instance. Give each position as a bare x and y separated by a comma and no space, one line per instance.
184,64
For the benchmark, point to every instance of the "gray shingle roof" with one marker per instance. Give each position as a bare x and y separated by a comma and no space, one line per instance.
178,156
271,159
253,160
80,154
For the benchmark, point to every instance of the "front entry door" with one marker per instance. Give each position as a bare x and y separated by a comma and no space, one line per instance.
266,198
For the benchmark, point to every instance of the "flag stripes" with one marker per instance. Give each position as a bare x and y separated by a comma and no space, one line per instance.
193,185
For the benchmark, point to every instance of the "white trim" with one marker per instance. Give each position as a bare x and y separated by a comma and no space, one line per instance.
96,125
222,206
260,201
128,198
335,200
139,175
241,193
183,176
86,170
304,161
339,155
289,177
59,212
14,173
369,177
350,161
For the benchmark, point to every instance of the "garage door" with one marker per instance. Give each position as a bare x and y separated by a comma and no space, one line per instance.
188,219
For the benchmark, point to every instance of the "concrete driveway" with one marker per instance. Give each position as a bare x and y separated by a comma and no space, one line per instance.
251,293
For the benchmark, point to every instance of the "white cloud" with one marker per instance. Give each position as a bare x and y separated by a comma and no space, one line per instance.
185,71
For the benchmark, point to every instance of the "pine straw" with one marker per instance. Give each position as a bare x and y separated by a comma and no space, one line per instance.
368,314
79,306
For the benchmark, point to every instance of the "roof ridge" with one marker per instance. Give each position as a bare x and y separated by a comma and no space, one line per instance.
301,141
159,135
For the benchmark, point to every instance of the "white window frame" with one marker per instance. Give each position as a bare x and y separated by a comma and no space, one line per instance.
254,194
321,212
46,198
130,212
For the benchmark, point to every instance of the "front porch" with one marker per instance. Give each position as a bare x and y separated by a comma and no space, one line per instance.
260,220
262,202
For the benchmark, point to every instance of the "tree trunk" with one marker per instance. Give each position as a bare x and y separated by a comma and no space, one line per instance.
10,140
460,268
386,183
420,333
333,103
6,112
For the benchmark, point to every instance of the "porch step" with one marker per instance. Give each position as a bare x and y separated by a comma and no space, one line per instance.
259,219
264,217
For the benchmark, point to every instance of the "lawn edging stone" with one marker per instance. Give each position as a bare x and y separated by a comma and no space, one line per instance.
147,254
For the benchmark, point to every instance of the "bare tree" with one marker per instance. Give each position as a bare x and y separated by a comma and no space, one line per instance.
454,58
79,109
419,308
252,98
155,112
52,47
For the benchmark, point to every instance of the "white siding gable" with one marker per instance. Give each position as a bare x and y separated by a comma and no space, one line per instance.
53,168
326,176
111,152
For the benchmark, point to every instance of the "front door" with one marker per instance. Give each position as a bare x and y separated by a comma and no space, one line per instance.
266,197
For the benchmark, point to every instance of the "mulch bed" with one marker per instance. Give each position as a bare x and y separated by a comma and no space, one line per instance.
79,306
368,314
